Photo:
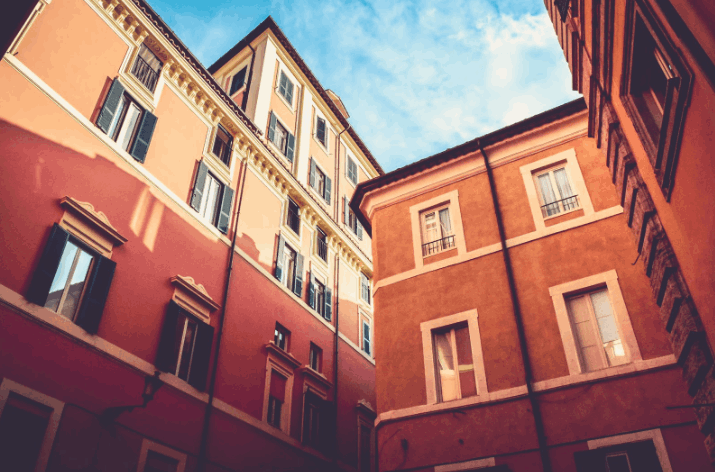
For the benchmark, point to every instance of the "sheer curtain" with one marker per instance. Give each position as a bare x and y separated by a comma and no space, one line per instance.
547,193
445,365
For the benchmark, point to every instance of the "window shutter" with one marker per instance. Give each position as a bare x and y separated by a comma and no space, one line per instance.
202,356
96,292
106,115
589,461
166,355
280,255
289,91
328,188
46,269
224,217
311,180
272,128
346,212
238,81
311,291
298,281
290,148
359,228
328,304
643,457
141,142
199,183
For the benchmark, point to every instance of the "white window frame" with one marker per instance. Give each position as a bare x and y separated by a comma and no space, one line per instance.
8,386
284,276
655,435
550,171
292,80
427,327
450,199
349,159
559,294
281,151
366,321
148,445
211,220
573,171
325,147
273,363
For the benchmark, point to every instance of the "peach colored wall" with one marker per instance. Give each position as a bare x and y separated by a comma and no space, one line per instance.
278,106
85,53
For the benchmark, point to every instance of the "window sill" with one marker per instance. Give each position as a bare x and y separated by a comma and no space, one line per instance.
284,100
547,218
287,359
322,146
292,238
277,151
316,376
139,92
320,198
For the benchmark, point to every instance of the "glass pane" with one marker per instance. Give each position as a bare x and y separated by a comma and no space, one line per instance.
618,463
547,195
150,58
156,462
117,115
187,348
447,378
210,200
130,123
74,292
562,182
60,281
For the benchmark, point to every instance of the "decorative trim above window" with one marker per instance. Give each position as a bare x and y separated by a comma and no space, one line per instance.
193,297
92,227
152,451
317,380
284,365
456,240
286,358
649,445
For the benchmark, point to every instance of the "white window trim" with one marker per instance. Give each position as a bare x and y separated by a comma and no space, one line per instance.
348,157
366,320
467,465
296,240
472,319
620,312
148,445
325,147
292,80
235,70
216,166
320,168
274,146
273,363
573,171
136,89
317,258
361,300
654,434
7,386
452,200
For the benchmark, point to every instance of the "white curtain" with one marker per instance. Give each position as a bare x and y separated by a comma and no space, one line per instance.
562,181
444,221
547,193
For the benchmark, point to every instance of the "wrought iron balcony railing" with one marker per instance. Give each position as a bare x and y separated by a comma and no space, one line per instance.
438,246
559,206
144,72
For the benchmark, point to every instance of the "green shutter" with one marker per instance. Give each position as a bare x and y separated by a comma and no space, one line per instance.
298,280
166,354
328,188
311,291
224,217
199,183
144,135
47,267
290,148
328,304
272,128
280,255
111,102
311,179
96,292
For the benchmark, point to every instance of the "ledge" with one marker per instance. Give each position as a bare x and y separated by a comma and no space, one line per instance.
193,297
317,376
364,407
286,357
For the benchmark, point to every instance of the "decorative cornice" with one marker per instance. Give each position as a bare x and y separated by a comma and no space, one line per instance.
287,358
364,406
316,376
97,218
197,291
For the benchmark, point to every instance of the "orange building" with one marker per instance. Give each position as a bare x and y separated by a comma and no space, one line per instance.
182,284
520,334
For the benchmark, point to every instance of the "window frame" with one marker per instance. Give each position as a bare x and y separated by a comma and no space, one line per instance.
315,353
231,78
324,145
427,328
324,239
363,422
437,210
289,81
148,445
118,122
212,220
137,57
228,150
366,322
81,247
451,199
295,231
560,205
274,363
280,329
349,160
365,278
654,435
559,294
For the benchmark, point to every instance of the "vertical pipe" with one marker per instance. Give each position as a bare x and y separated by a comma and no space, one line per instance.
528,374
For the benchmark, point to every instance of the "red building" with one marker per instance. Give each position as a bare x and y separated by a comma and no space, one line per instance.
183,286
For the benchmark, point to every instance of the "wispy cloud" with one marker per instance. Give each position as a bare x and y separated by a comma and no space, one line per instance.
416,77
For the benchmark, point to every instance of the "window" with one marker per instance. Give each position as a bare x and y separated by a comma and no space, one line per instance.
316,358
281,337
351,220
312,420
319,181
555,191
365,447
289,267
281,137
147,68
72,280
276,399
322,244
321,132
320,298
351,170
156,462
126,122
212,199
222,145
655,89
185,346
366,338
437,234
364,287
238,81
293,216
629,457
595,330
285,88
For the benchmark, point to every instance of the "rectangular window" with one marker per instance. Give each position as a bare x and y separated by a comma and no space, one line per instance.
276,398
222,145
312,421
279,135
293,216
351,220
322,244
186,328
365,447
320,298
237,81
281,337
285,88
321,133
437,234
629,457
453,363
555,192
147,68
68,284
366,338
156,462
352,170
595,330
23,424
316,358
289,263
364,287
212,199
209,204
320,181
126,122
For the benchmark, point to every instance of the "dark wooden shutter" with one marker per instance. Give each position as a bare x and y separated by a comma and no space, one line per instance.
202,356
199,183
311,179
589,461
272,128
224,217
280,255
311,291
166,355
289,91
238,81
328,189
359,228
290,148
96,292
47,267
298,280
111,102
643,457
143,139
328,304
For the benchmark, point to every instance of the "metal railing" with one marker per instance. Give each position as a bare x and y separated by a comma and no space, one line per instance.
565,204
438,246
144,72
323,249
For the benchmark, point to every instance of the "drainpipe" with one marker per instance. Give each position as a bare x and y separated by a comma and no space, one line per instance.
202,459
244,102
528,374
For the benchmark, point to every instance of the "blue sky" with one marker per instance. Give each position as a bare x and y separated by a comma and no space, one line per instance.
416,77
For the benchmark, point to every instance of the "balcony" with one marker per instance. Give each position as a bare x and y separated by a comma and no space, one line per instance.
435,247
560,206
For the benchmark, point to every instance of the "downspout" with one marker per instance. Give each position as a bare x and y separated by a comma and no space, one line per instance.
202,459
244,102
528,374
